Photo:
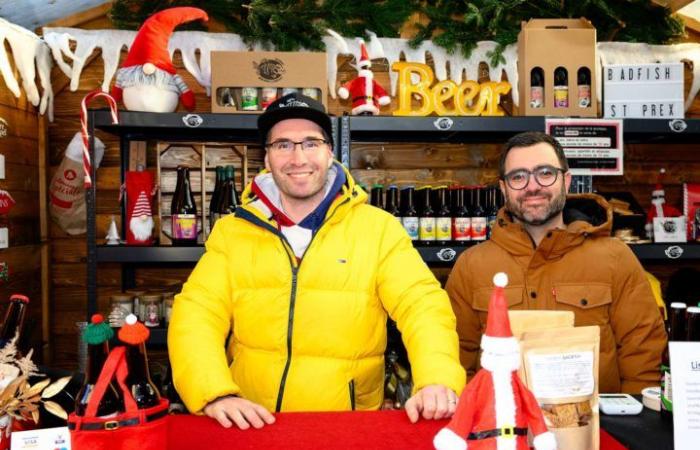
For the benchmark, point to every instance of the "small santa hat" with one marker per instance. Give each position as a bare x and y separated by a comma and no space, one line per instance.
659,188
151,42
133,332
97,331
142,207
498,335
365,62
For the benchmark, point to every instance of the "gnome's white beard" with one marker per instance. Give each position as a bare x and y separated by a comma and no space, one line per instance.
141,227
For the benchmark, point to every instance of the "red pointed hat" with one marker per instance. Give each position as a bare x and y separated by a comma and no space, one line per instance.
497,322
659,188
364,56
151,42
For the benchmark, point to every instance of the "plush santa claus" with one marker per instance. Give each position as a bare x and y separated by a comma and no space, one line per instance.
367,94
496,409
148,81
658,207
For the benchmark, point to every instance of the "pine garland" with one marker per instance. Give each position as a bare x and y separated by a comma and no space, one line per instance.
456,25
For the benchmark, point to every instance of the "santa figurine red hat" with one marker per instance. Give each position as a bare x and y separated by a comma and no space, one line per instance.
148,81
496,410
367,94
658,207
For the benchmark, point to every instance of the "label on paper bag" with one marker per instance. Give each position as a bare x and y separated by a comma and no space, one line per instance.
561,374
184,226
48,438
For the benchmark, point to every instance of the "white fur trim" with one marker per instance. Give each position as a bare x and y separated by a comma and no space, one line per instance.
504,403
366,107
499,344
447,439
494,362
545,441
365,73
343,93
384,100
500,279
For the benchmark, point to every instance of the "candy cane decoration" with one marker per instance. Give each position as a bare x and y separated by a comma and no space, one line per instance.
84,129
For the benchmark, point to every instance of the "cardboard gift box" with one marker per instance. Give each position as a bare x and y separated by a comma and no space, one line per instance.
246,82
549,44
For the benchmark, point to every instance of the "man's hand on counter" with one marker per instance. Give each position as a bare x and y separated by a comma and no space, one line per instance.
434,401
242,412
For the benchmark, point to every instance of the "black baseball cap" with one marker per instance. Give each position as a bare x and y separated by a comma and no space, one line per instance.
294,106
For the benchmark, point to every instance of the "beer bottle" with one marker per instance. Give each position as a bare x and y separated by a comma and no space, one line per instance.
693,324
584,87
479,226
443,221
97,335
392,201
176,406
409,215
561,88
214,201
13,325
228,200
677,332
537,88
427,220
183,211
135,334
461,218
491,210
376,196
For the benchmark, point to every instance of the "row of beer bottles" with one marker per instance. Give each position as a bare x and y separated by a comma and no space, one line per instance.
139,381
561,88
440,214
683,325
183,208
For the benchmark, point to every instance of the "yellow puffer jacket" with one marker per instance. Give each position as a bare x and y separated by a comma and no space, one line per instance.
309,336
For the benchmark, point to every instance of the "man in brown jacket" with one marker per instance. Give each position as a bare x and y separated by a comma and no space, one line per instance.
559,255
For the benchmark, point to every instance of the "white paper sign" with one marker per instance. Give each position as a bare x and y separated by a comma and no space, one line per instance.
46,439
685,384
4,238
561,374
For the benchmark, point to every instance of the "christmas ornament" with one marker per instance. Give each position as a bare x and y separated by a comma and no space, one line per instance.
133,332
468,99
658,207
496,409
97,330
112,237
87,168
367,94
148,80
6,202
139,189
66,192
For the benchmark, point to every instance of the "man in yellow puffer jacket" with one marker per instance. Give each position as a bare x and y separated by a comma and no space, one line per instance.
303,276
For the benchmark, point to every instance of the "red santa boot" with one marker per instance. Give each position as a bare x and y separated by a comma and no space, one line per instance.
496,409
658,207
148,81
367,94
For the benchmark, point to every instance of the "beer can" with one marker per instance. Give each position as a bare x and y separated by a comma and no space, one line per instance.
269,95
249,99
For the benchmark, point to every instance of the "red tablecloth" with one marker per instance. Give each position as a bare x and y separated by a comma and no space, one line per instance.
368,430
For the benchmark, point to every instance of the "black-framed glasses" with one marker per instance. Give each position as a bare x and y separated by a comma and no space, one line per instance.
288,146
545,176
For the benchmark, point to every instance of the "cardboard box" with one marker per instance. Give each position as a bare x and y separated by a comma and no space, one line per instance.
549,44
644,91
231,72
670,229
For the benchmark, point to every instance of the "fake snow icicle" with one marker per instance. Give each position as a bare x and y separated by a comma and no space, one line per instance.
84,128
31,55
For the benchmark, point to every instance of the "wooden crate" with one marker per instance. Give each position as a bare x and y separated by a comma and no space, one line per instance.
201,158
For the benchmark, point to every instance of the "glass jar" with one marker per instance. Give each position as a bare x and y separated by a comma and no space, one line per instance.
150,306
120,306
137,293
166,294
168,303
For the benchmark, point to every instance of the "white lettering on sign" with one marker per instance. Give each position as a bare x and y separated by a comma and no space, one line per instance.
644,91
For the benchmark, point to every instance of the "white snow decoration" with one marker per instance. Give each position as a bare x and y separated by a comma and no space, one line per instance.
31,55
111,42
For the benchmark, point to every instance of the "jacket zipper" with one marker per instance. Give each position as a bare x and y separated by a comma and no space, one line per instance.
351,386
292,301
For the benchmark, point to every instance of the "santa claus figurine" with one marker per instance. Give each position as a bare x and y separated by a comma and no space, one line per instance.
658,207
148,81
367,94
496,410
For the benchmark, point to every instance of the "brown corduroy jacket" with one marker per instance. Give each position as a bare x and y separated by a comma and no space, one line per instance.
579,268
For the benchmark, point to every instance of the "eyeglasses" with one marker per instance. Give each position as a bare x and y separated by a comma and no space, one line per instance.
287,146
544,175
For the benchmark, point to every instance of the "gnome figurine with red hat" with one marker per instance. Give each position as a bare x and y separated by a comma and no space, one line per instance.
496,409
147,80
367,94
658,207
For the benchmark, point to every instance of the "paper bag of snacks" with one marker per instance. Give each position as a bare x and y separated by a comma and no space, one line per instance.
535,320
560,367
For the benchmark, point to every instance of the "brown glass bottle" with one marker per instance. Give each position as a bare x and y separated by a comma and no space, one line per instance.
461,218
228,201
676,332
139,379
392,201
214,201
427,220
183,210
409,214
176,406
479,220
111,402
375,198
13,324
443,221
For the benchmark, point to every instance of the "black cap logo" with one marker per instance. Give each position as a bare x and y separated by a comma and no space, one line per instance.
269,69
